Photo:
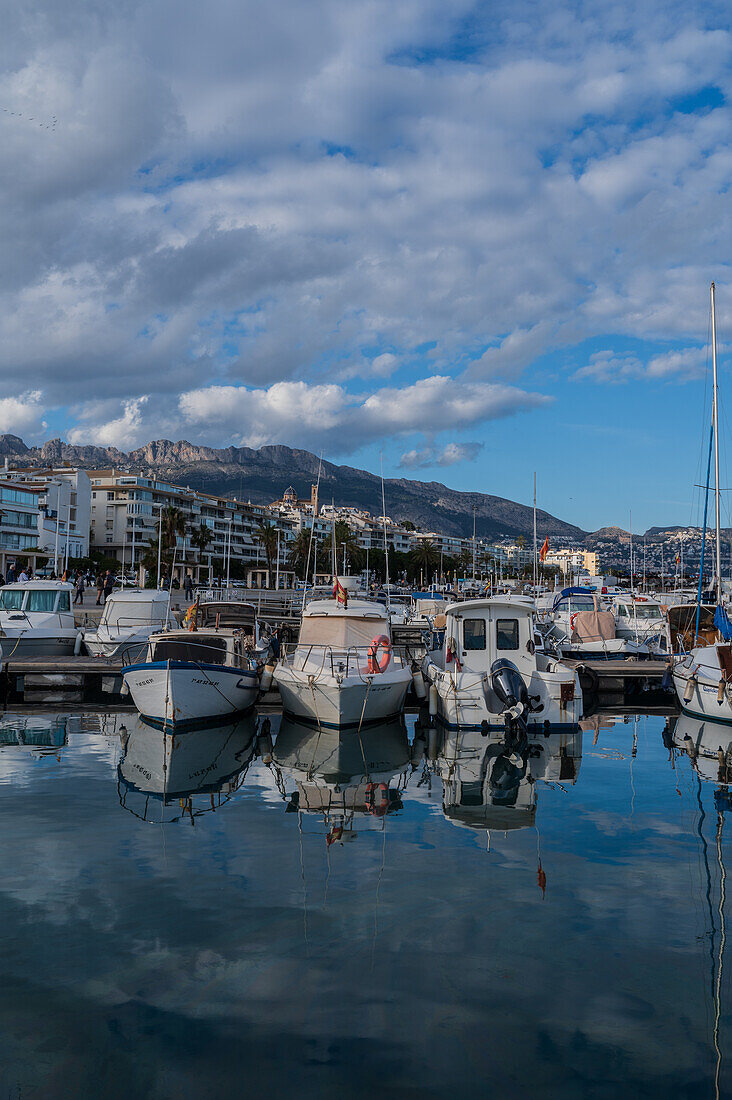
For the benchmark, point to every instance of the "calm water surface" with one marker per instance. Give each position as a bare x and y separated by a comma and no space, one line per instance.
389,916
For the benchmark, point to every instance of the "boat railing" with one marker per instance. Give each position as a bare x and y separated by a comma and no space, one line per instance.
316,659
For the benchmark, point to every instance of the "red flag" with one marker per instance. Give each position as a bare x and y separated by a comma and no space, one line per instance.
544,550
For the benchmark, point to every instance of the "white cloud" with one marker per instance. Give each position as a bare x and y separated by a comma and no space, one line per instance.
124,432
23,414
235,195
449,455
327,415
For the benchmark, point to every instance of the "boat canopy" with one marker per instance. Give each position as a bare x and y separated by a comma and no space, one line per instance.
341,631
125,608
722,623
572,592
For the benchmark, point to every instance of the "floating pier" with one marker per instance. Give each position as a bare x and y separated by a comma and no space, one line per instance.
618,683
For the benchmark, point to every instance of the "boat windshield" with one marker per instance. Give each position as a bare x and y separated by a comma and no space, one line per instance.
210,649
576,603
647,611
11,599
41,599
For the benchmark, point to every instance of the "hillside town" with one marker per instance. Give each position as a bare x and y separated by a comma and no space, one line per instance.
60,515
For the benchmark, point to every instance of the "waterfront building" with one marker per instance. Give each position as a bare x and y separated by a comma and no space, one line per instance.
125,512
47,509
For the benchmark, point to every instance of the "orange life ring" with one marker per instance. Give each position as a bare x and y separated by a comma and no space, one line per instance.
376,663
378,809
572,620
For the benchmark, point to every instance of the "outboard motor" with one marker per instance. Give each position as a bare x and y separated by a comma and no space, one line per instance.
508,684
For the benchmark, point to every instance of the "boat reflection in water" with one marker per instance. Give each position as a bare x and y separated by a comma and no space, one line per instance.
165,776
709,748
342,775
38,731
490,782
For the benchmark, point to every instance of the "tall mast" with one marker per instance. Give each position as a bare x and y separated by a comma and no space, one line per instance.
715,413
536,567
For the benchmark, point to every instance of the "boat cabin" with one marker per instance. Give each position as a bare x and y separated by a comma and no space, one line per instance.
127,608
328,623
201,647
479,632
40,599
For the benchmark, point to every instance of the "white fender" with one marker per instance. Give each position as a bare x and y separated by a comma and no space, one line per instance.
420,689
433,700
266,681
78,643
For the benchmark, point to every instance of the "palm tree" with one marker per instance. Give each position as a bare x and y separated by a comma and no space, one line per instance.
299,552
174,524
201,536
266,536
424,557
345,539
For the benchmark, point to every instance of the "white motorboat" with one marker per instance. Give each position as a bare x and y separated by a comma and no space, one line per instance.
490,671
203,673
490,782
343,671
129,617
575,622
37,620
172,769
642,620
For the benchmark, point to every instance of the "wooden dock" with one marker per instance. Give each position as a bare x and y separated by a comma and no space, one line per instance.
60,680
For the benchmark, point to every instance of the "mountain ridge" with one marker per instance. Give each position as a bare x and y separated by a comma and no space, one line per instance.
261,475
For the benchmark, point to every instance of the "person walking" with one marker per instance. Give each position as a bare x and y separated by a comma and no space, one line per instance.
11,575
79,594
188,585
100,588
165,582
108,584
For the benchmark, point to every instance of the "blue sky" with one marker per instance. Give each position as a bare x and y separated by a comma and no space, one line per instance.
476,238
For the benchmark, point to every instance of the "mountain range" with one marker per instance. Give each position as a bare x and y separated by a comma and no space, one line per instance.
262,475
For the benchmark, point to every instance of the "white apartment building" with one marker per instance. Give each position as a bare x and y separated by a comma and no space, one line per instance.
450,546
569,561
125,515
62,497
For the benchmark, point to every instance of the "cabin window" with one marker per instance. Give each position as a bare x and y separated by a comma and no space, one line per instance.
507,634
12,600
64,602
206,650
41,601
473,634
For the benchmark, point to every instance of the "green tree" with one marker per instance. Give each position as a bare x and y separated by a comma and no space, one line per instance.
173,524
266,536
299,552
424,558
201,536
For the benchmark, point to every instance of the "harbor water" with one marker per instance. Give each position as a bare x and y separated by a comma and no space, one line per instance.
262,908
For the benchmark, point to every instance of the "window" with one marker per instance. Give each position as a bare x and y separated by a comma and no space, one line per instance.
41,600
507,634
11,600
64,602
110,496
473,634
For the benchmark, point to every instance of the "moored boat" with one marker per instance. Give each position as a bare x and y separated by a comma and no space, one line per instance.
129,617
490,671
37,619
202,673
343,671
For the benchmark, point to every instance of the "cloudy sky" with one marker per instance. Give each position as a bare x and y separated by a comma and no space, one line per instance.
477,238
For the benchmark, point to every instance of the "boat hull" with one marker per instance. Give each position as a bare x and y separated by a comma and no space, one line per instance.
465,702
325,702
38,643
703,669
182,693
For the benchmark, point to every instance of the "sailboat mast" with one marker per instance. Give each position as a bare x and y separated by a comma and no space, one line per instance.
715,406
536,568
